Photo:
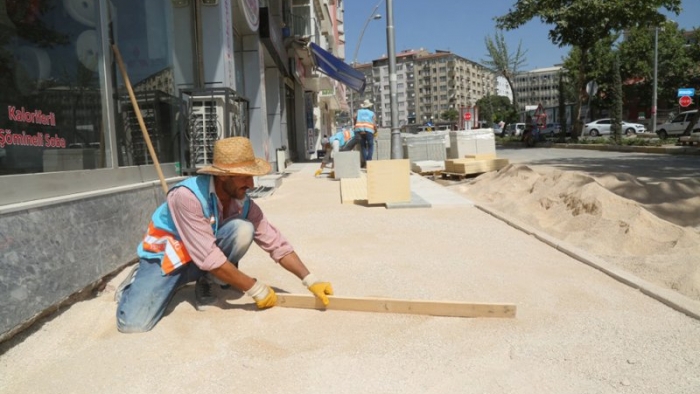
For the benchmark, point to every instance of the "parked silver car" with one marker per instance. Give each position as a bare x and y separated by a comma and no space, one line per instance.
677,125
603,127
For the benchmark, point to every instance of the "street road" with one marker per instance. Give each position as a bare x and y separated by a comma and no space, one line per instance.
645,166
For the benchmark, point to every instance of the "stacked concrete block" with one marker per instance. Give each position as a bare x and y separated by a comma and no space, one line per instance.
429,146
347,164
471,142
382,144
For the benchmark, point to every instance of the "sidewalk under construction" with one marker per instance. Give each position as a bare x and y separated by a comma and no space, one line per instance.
576,328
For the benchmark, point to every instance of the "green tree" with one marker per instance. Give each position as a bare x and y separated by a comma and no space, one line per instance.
582,23
598,70
450,115
496,108
505,63
616,98
677,65
562,107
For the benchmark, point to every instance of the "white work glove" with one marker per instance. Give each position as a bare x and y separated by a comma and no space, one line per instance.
263,295
320,289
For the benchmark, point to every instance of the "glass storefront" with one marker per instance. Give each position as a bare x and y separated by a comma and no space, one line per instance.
52,92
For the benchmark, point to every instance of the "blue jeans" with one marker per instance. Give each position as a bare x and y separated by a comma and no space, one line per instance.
367,145
143,302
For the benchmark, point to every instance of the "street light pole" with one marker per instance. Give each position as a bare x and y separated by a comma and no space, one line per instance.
396,148
372,16
656,67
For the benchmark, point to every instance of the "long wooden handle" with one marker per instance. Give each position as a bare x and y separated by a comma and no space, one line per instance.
135,104
387,305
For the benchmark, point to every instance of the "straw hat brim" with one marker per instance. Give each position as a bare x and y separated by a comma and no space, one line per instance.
260,167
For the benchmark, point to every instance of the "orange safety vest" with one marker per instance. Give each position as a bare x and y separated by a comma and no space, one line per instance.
160,241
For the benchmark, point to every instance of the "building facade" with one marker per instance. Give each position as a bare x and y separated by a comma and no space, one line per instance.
77,178
539,86
428,85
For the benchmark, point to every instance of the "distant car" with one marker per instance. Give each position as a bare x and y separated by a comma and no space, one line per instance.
677,125
515,129
550,130
633,128
604,127
497,131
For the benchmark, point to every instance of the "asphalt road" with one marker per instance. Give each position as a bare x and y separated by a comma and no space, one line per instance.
645,166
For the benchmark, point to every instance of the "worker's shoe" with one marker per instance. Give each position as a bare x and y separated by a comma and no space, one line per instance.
318,172
125,283
204,293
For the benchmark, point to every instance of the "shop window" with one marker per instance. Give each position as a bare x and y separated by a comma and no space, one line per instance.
50,91
144,34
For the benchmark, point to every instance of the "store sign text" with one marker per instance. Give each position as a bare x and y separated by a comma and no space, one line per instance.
7,138
10,138
36,116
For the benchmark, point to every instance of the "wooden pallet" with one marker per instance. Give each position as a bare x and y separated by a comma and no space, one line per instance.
456,176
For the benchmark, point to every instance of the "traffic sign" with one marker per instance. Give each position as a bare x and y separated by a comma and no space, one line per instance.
685,101
686,92
467,116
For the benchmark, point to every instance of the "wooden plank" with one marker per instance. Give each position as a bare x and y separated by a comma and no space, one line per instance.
388,305
479,166
481,156
388,181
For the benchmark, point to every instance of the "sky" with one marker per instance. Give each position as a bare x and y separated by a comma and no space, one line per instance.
459,26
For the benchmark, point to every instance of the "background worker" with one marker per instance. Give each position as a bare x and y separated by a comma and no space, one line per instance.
366,127
335,143
205,227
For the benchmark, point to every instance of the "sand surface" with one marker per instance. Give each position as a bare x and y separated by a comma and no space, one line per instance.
648,228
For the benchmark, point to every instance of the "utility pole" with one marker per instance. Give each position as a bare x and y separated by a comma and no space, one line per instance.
656,71
396,148
372,16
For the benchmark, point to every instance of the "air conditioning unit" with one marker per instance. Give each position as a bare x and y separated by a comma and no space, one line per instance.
212,114
206,126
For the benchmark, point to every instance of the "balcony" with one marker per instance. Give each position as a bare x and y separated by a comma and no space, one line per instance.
303,25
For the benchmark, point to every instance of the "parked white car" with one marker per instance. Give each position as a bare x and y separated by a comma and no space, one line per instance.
677,125
515,129
603,127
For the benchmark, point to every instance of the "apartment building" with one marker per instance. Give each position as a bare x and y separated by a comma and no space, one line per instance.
427,85
539,86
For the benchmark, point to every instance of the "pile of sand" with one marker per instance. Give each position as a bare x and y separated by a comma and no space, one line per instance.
649,229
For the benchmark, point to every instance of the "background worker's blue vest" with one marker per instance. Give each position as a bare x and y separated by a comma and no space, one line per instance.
365,120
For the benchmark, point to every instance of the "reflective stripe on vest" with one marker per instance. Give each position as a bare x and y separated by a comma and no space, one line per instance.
160,241
175,254
366,125
346,135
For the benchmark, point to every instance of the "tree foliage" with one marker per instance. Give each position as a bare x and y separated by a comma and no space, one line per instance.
582,23
616,98
678,65
450,115
504,63
496,108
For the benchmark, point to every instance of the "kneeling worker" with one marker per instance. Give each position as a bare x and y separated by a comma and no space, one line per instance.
204,228
336,143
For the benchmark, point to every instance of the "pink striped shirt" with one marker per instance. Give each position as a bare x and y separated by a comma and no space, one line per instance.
198,237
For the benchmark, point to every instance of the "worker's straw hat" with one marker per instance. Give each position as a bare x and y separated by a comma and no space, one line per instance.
366,104
234,156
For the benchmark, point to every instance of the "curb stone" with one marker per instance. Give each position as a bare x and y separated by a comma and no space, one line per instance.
666,296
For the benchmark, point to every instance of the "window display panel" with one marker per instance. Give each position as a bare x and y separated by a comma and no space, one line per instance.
143,31
50,92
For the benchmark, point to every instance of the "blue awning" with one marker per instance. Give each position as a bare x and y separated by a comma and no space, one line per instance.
337,69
